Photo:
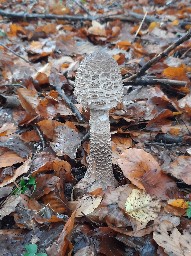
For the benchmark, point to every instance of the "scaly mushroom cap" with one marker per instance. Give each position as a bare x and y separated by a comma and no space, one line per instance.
98,83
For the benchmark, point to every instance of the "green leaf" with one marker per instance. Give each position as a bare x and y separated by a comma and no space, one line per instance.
188,212
41,254
22,183
2,33
29,254
32,181
31,248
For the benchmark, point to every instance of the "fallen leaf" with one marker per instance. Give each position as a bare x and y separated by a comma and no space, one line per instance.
9,206
176,73
66,141
170,238
97,29
181,169
87,204
18,172
29,100
63,244
135,163
8,158
157,183
180,203
142,206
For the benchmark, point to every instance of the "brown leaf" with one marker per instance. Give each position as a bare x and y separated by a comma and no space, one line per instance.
45,184
119,145
7,129
135,163
54,202
29,100
8,158
29,136
181,169
158,184
63,245
18,172
48,126
87,204
176,73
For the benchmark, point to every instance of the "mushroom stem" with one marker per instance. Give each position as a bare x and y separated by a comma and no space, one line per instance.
100,158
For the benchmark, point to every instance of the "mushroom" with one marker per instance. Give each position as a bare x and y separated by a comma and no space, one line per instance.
98,86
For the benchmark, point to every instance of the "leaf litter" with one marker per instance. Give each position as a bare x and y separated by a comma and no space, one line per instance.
44,131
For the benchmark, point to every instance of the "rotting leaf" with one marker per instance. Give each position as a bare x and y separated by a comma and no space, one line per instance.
142,206
87,204
170,238
66,141
17,145
9,206
18,172
181,169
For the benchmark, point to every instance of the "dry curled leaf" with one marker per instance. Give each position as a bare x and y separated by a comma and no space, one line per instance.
181,169
19,171
87,205
142,206
66,141
170,238
9,206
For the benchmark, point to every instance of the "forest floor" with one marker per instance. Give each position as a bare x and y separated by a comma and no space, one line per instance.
44,131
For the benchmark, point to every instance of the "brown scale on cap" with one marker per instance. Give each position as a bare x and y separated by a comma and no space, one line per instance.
98,86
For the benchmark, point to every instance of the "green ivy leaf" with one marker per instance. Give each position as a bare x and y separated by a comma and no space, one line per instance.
188,212
41,254
31,248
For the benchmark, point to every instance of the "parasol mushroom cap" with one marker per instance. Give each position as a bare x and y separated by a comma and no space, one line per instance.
98,83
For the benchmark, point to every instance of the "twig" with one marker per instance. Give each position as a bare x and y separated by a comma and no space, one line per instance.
130,16
70,104
28,16
159,56
9,101
86,137
14,53
40,134
153,81
82,7
14,85
140,26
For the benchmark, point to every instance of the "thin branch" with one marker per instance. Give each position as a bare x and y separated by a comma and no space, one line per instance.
16,54
82,7
159,56
152,81
28,16
130,16
140,26
40,134
70,104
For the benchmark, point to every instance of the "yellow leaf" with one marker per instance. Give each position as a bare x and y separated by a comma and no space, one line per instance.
180,203
175,22
153,25
142,206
